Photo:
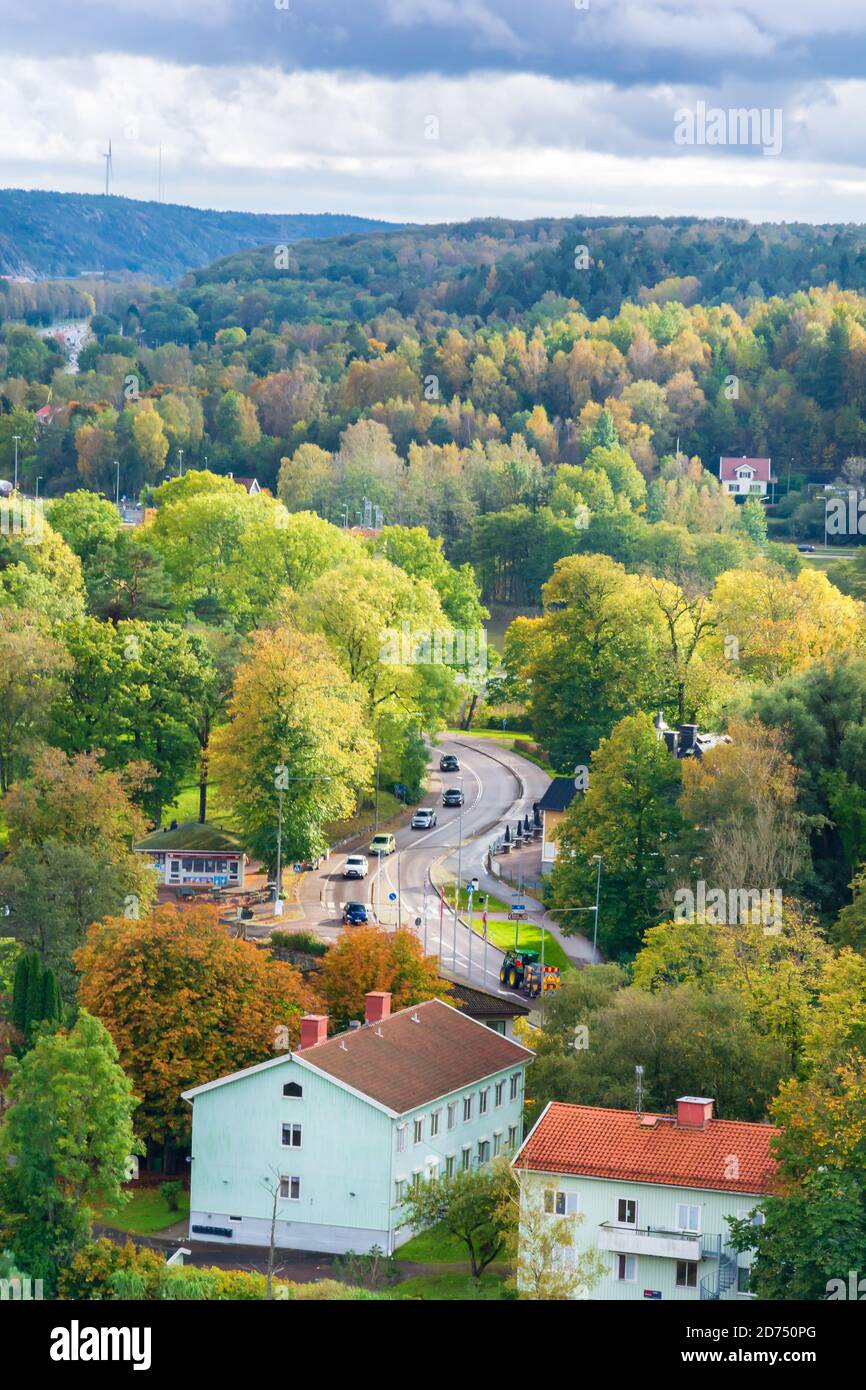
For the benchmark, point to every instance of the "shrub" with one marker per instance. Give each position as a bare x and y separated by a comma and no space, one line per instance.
99,1267
302,941
171,1191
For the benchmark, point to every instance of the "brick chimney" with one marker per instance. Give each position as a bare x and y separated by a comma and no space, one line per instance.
314,1029
377,1006
694,1112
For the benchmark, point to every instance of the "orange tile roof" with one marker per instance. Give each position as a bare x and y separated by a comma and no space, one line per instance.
403,1064
724,1156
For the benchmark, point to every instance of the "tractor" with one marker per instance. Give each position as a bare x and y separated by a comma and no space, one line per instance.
522,970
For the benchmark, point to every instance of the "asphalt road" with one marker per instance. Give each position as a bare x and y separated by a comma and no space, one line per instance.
498,785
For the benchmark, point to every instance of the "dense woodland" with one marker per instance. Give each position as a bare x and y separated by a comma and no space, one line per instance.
533,439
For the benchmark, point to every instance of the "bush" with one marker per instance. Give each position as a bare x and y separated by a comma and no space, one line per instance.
171,1192
328,1290
100,1266
302,941
374,1270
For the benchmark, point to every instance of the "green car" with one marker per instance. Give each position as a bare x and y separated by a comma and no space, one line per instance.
383,844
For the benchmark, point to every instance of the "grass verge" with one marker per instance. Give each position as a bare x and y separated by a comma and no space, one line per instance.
529,937
453,1287
146,1213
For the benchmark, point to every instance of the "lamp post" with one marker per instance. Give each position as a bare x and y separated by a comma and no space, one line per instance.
471,889
595,920
38,481
17,439
117,484
459,872
180,462
282,778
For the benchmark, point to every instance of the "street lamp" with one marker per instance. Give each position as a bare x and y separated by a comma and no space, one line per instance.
595,920
117,485
471,889
282,778
38,481
17,438
459,873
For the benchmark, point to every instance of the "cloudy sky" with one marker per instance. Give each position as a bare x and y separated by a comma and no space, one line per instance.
435,110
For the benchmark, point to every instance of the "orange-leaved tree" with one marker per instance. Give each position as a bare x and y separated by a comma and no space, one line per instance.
368,958
185,1003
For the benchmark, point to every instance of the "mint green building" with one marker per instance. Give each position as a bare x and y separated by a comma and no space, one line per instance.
649,1193
329,1138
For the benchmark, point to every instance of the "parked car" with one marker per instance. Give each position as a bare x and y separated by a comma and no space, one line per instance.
453,796
449,762
355,866
806,549
355,914
424,818
383,844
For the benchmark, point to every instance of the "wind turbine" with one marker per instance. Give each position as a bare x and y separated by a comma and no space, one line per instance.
108,169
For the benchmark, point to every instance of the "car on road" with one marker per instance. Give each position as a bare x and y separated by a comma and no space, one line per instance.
356,866
355,914
806,549
449,762
452,796
383,844
424,818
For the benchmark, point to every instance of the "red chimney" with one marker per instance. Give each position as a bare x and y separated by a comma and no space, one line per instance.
377,1006
314,1030
694,1112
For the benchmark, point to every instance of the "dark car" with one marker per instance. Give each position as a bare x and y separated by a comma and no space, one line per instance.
806,549
449,762
453,796
355,914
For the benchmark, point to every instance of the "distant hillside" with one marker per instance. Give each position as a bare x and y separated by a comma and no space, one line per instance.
49,235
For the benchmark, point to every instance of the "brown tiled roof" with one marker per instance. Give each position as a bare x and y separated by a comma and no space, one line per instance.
477,1003
403,1064
627,1147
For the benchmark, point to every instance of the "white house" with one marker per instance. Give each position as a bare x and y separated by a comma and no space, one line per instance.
653,1192
746,477
194,853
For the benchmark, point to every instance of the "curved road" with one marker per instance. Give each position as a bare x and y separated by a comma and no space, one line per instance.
498,785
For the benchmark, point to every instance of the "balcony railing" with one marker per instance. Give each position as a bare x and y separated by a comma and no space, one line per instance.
657,1240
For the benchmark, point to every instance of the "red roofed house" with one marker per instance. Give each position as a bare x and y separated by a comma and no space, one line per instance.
744,477
653,1192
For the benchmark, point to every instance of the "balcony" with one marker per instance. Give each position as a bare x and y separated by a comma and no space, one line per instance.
651,1240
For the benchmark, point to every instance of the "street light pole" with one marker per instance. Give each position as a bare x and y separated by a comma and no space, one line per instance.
117,485
38,481
17,439
595,922
459,873
278,891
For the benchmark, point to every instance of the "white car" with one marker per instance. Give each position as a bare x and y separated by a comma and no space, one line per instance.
424,818
355,866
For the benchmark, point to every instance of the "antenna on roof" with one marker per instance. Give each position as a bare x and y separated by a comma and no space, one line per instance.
638,1071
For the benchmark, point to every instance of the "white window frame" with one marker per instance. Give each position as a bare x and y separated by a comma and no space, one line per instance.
293,1083
632,1225
688,1207
466,1158
513,1130
467,1109
450,1165
514,1087
402,1134
688,1265
399,1189
621,1262
497,1142
287,1182
292,1125
483,1100
435,1118
418,1130
498,1093
452,1114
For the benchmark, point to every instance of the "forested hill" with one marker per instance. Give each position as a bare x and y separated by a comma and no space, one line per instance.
49,235
496,269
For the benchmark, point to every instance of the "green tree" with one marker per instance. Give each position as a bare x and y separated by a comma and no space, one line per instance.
69,1127
626,815
469,1206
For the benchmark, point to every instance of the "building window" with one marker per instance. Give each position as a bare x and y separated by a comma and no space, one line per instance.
418,1131
416,1179
400,1189
467,1108
433,1170
687,1274
290,1189
626,1212
743,1272
434,1123
401,1138
483,1098
756,1218
291,1136
466,1159
236,1218
292,1091
512,1136
560,1203
497,1143
452,1114
626,1269
514,1087
688,1218
449,1165
483,1150
497,1094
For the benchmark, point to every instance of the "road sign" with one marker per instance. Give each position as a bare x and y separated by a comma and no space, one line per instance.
392,897
517,916
296,868
518,907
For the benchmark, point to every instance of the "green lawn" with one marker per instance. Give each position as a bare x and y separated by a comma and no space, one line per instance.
146,1212
186,807
434,1247
462,1287
502,935
504,736
493,905
365,819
